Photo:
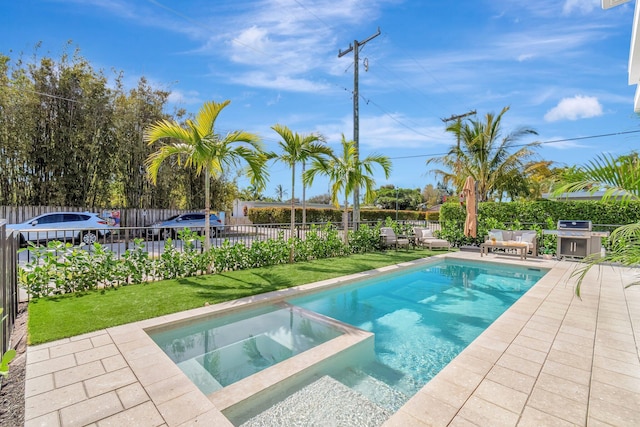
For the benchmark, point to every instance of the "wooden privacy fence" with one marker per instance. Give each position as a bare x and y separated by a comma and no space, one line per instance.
128,217
8,286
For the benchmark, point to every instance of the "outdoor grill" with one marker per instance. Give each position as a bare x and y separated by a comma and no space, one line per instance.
577,240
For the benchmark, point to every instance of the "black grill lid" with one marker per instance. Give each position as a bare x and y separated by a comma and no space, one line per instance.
574,225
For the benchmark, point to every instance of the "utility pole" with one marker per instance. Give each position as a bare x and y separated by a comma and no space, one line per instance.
355,47
458,118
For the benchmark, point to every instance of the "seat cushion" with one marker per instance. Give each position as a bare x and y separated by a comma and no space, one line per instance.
437,243
529,239
427,234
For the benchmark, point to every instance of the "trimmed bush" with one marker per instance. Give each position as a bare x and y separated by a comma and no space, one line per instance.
282,215
60,268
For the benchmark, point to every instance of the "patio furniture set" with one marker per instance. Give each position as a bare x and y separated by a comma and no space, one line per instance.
522,242
421,236
519,242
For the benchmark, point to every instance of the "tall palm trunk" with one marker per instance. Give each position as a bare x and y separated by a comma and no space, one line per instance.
346,221
304,201
293,212
207,210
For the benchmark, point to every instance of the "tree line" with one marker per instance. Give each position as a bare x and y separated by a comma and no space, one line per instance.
70,136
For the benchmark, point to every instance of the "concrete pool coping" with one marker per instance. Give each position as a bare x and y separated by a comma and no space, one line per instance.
550,359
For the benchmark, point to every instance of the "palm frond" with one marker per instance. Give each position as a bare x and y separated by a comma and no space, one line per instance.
624,249
619,178
207,116
166,129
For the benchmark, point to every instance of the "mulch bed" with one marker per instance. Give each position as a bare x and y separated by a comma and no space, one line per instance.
12,391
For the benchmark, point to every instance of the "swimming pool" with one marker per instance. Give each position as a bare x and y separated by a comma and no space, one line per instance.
421,318
424,317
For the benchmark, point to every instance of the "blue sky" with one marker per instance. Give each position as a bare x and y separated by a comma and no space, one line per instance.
561,65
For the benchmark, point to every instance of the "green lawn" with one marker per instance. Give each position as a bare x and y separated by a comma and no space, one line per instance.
58,317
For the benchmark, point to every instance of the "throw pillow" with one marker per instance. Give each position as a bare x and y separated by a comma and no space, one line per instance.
495,234
427,234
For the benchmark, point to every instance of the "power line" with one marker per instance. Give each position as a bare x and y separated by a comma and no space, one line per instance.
369,101
553,141
313,14
43,94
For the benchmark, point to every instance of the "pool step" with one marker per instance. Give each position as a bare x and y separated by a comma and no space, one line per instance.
323,402
374,389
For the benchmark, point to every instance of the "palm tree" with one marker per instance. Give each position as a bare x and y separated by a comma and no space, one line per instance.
492,159
347,172
619,178
198,145
295,149
281,193
253,192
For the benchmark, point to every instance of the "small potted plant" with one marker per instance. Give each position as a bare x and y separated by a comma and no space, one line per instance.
548,252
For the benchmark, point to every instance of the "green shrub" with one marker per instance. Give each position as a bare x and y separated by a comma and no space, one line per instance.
138,263
60,268
43,272
365,239
433,216
268,252
8,356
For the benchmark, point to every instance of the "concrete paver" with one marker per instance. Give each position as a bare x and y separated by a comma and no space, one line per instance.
91,410
552,359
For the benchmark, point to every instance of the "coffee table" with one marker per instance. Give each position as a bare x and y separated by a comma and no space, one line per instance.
521,247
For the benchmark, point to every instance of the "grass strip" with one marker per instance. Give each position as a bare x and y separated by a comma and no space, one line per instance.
53,318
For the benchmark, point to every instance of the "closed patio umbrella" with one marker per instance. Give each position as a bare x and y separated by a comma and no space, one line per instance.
469,191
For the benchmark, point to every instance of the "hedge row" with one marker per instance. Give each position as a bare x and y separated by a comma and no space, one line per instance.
61,268
282,215
537,215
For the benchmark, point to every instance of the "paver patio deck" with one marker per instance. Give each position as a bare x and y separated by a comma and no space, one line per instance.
551,359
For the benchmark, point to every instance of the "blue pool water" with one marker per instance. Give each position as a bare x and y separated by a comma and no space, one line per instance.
422,318
215,353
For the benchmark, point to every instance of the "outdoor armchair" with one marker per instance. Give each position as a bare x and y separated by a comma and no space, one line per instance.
426,239
389,238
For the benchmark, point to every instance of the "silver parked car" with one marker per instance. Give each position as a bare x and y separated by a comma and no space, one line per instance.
194,221
81,227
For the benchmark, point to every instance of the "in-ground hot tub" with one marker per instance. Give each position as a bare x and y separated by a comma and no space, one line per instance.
233,357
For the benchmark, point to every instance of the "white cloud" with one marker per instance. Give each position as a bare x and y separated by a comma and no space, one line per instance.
259,79
578,107
384,133
190,97
525,57
254,38
584,6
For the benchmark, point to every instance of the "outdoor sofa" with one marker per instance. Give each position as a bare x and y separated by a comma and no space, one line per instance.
530,237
